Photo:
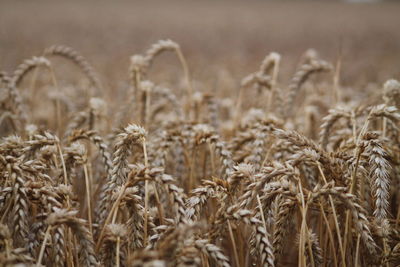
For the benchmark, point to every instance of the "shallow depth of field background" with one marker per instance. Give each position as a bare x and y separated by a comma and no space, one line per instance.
222,41
218,37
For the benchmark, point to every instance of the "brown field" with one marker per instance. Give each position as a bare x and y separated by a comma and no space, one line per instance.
199,133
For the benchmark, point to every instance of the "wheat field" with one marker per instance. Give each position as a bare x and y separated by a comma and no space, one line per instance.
244,134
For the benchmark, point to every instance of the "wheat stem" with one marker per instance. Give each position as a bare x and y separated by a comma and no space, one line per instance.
88,197
42,248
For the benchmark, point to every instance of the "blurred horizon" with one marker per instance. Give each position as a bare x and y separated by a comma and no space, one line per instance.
211,33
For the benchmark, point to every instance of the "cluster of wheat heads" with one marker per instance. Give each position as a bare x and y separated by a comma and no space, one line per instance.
204,181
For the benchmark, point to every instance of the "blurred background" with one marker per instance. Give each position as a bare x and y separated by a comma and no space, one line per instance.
216,36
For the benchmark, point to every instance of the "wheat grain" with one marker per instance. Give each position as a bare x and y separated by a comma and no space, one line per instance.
62,216
75,57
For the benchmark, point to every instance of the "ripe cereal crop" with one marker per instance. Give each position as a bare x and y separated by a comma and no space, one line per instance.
281,166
